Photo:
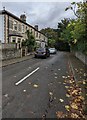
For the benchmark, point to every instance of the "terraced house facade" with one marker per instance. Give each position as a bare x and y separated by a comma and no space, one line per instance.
14,29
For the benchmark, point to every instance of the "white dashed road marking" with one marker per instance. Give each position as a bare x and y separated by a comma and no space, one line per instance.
27,76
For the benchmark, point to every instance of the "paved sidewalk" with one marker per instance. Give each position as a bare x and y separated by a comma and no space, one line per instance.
79,68
80,74
16,60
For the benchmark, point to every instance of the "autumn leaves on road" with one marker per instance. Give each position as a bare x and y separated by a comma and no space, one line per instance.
76,106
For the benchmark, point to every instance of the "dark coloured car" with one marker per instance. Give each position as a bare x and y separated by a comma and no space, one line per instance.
42,52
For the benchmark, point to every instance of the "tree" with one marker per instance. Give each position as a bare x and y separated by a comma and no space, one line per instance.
80,28
52,36
79,9
29,42
51,42
50,33
61,27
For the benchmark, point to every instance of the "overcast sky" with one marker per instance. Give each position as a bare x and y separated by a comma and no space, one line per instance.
45,14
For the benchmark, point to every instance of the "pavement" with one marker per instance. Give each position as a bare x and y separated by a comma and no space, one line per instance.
16,60
34,88
78,67
80,76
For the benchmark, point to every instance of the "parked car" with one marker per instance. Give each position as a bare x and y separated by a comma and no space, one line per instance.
42,52
52,50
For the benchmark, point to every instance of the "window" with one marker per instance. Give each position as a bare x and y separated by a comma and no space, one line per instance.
10,24
14,39
39,35
19,27
26,27
15,25
36,34
19,40
31,31
22,28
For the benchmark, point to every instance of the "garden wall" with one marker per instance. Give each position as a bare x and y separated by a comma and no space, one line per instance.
82,57
10,53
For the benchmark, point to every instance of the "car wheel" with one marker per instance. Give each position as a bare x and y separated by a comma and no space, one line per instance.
35,56
45,56
48,55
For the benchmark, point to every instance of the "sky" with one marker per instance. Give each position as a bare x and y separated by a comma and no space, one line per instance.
45,14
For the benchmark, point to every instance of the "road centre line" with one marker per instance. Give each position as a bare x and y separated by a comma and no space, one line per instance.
27,76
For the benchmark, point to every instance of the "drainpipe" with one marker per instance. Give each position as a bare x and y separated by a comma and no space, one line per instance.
8,28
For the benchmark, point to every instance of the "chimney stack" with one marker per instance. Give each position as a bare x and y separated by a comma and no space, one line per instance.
3,8
36,27
23,17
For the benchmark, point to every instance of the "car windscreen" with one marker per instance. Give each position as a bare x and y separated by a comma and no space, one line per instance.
52,49
40,49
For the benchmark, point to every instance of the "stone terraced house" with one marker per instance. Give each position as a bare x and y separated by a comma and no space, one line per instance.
13,29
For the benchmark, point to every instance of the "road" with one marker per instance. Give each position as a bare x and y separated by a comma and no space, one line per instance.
33,88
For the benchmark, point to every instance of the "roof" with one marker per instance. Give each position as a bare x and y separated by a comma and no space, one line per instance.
17,18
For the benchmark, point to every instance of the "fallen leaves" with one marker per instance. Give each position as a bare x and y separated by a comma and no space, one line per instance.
67,107
55,73
60,114
15,76
55,77
75,92
29,83
29,67
74,106
68,76
84,82
76,100
59,82
61,100
84,74
80,97
59,69
35,86
50,93
64,83
24,90
67,95
31,112
63,76
46,67
54,98
50,84
6,95
74,115
66,86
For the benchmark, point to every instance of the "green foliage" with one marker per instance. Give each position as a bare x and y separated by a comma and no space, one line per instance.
66,35
61,27
79,9
75,31
51,42
50,33
29,42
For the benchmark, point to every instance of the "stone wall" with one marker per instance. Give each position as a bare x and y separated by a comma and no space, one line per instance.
8,46
10,53
82,57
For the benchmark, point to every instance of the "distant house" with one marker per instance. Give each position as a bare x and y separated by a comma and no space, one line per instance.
14,29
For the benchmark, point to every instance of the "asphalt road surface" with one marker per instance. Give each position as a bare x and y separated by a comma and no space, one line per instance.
32,88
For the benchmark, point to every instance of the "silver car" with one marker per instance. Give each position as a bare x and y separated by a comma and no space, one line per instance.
52,50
